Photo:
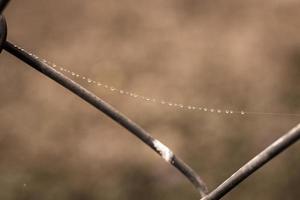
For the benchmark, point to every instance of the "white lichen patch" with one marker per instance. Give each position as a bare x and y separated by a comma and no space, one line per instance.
164,151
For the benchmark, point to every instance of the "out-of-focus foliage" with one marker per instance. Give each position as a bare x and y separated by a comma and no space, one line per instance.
243,55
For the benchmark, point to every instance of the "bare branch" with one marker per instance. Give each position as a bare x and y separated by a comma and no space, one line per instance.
3,4
258,161
107,109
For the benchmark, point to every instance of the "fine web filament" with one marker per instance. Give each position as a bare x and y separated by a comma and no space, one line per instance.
153,100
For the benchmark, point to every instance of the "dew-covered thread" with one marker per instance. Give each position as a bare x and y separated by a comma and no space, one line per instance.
149,99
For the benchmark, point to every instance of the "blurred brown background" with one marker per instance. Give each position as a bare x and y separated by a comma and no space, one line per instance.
242,55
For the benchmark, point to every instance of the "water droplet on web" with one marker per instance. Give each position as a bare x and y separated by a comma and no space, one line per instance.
112,89
133,95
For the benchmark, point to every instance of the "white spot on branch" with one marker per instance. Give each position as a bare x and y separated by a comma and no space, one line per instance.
164,151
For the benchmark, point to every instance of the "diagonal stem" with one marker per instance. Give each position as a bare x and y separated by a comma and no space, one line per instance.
107,109
258,161
3,4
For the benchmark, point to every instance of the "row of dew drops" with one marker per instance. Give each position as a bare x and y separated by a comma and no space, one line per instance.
131,94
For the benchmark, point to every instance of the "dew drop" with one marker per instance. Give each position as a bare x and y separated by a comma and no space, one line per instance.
131,94
112,89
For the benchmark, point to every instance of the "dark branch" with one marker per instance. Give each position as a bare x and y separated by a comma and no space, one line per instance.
3,4
109,111
258,161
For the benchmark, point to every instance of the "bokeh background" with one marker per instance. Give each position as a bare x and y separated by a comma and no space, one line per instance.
241,55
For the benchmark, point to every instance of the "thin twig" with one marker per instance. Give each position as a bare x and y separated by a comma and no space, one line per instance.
114,114
3,4
258,161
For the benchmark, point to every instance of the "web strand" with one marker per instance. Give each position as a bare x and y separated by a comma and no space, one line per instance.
154,100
